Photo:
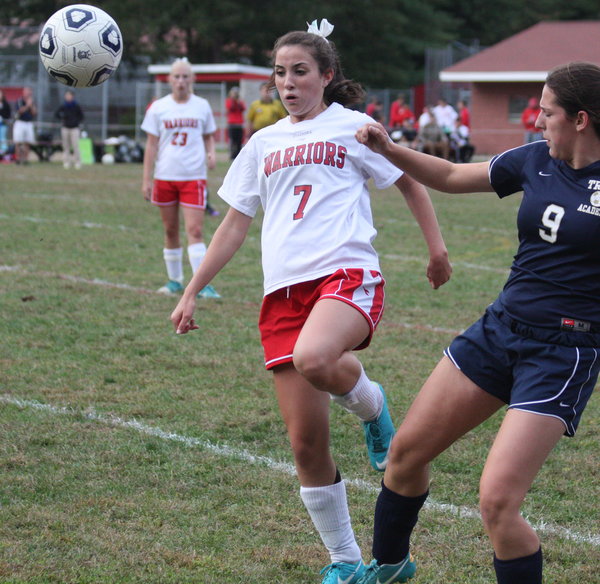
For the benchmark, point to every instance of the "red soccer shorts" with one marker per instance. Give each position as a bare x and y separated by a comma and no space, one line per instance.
284,312
188,193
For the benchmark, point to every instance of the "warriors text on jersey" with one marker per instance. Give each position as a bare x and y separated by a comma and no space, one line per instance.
556,271
181,128
311,180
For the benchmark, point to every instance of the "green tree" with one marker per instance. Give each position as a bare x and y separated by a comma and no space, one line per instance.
381,42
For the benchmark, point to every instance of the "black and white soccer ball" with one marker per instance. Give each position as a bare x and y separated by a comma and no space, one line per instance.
81,45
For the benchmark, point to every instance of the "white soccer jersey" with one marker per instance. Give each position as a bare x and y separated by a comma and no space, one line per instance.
180,128
311,179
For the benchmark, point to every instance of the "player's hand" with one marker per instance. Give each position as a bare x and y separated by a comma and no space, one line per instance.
439,270
183,316
147,191
374,136
212,161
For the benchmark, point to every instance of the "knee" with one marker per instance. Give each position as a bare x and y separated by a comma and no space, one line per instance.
313,364
194,233
405,460
494,503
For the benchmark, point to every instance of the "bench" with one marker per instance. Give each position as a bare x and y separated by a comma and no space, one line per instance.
44,149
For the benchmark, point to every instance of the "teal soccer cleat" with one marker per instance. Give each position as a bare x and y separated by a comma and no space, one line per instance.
208,292
389,573
378,435
343,573
171,287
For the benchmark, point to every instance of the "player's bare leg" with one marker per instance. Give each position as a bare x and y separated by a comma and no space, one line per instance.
523,443
323,351
170,219
323,356
448,405
193,220
305,411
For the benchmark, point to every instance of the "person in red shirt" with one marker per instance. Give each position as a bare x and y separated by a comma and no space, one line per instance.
464,115
235,109
399,112
528,118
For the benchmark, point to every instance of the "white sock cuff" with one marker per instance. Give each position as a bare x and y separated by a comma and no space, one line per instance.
364,400
173,254
196,250
328,506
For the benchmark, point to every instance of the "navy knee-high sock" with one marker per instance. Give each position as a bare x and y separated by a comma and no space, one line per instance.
526,570
395,518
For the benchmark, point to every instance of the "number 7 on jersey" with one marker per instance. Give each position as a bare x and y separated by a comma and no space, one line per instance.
304,191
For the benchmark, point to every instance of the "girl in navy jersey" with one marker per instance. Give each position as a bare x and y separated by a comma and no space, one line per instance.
322,281
537,347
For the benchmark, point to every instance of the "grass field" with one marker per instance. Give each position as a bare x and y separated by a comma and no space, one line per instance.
131,455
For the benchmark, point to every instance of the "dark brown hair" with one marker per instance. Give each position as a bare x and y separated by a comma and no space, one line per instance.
341,90
576,86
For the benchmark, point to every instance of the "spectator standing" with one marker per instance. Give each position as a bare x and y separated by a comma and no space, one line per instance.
71,116
23,128
235,109
264,111
528,118
464,115
5,114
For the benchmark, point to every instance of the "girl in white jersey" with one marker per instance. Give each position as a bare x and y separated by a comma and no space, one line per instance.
323,287
180,145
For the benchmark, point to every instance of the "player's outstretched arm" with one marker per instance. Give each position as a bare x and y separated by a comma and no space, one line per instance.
417,198
226,240
434,172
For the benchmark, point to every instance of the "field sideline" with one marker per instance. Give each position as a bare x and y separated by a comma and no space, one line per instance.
129,454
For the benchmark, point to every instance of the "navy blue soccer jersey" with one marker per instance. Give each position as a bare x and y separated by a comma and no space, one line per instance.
555,274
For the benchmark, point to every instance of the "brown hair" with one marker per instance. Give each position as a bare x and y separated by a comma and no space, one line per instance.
341,90
576,86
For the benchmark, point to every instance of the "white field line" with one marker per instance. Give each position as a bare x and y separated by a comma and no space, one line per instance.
468,265
84,224
226,451
79,279
98,282
73,198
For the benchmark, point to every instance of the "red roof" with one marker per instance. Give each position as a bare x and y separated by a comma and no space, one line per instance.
530,54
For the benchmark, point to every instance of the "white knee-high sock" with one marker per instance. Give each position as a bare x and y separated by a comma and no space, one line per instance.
173,262
364,399
328,509
196,253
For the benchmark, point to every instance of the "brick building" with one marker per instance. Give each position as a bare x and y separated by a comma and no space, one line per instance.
503,77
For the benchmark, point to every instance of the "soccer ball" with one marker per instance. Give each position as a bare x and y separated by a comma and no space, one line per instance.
81,45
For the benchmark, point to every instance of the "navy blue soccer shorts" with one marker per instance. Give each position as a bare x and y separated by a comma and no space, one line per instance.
547,371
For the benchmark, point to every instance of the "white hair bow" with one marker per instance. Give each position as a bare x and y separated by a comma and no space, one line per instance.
323,30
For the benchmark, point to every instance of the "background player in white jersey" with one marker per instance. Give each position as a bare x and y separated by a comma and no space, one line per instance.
537,348
322,281
180,144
